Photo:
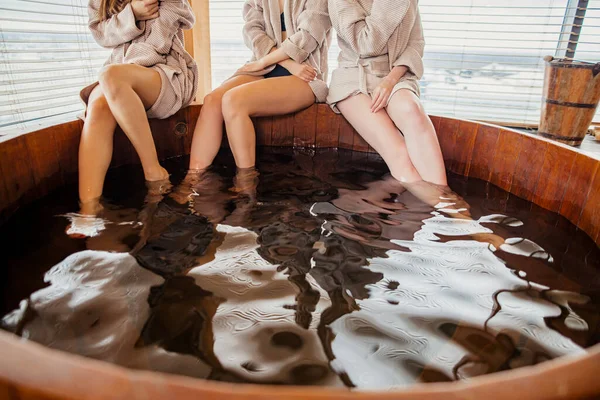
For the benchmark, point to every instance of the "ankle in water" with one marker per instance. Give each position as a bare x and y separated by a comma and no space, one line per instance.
90,207
246,180
162,186
157,174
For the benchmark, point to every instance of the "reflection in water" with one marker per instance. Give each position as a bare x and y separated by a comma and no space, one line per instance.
317,272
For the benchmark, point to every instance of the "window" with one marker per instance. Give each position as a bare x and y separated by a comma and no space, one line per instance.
47,55
483,58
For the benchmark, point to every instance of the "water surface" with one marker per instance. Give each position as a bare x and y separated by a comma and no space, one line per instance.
322,270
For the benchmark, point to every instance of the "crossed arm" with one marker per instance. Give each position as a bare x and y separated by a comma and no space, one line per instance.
313,26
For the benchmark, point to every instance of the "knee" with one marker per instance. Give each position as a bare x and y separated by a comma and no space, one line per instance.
98,115
98,109
213,100
233,104
409,107
112,80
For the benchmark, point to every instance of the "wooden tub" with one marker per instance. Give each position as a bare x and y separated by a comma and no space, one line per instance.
552,175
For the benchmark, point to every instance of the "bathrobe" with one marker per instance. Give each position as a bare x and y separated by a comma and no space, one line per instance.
157,44
308,29
374,37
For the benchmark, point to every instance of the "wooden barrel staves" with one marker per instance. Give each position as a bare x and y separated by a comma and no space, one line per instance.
571,95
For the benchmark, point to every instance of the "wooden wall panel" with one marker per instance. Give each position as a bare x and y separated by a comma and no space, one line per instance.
435,120
123,151
529,167
264,128
282,133
590,216
305,127
17,171
66,139
328,127
346,135
359,143
463,147
505,159
483,152
447,138
192,115
43,156
579,186
553,180
5,201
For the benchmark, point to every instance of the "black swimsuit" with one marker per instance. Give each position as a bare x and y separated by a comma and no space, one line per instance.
279,70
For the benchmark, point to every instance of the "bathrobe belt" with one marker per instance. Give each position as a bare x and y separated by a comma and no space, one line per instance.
378,66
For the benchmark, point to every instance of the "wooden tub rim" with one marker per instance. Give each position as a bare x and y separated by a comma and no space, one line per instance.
49,367
50,364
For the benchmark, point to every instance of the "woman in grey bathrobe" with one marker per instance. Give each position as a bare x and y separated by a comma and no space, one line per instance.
376,86
289,40
148,74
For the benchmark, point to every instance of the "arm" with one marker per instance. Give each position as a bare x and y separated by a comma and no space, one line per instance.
114,31
174,15
278,56
275,56
366,34
412,57
254,33
382,92
313,27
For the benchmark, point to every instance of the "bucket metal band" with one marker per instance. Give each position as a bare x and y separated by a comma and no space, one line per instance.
558,137
567,104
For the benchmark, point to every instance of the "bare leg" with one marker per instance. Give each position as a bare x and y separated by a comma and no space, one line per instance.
130,90
408,114
381,133
273,96
209,129
95,150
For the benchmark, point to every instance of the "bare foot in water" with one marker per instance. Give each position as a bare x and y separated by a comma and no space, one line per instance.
158,174
85,223
157,190
246,182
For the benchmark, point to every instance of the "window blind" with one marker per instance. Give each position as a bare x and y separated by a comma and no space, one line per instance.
483,58
47,55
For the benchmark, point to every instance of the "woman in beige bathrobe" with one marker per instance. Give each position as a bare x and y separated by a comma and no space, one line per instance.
376,85
148,74
301,49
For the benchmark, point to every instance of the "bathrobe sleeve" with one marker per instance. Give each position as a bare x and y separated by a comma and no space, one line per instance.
255,36
173,16
412,57
114,31
366,34
311,33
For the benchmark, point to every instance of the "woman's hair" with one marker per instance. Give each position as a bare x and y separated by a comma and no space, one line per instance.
109,8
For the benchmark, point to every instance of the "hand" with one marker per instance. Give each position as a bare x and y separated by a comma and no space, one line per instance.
145,9
302,71
381,94
253,66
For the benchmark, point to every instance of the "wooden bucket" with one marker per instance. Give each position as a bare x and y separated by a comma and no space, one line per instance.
571,95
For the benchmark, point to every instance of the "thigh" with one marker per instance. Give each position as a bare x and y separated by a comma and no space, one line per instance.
357,110
274,96
233,83
146,82
238,81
